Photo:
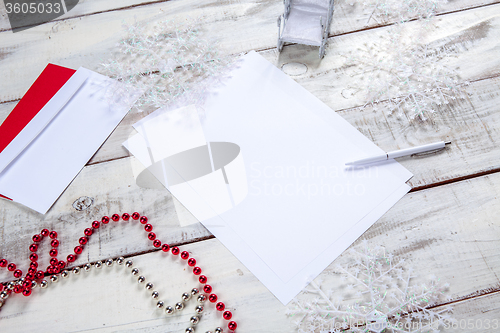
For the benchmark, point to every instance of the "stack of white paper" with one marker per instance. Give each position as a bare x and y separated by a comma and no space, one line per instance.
262,166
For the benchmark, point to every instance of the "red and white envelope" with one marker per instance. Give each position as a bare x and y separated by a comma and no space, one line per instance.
54,130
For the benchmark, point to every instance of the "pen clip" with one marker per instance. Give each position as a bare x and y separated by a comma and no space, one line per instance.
430,152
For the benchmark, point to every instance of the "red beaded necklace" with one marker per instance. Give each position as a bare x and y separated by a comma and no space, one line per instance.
26,284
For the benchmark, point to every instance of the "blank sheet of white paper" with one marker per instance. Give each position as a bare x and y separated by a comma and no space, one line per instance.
301,207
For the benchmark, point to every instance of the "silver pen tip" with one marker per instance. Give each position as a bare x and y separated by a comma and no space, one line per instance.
447,143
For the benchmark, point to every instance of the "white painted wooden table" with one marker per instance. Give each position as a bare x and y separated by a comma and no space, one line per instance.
448,224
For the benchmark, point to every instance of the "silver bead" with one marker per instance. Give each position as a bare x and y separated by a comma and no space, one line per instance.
87,267
21,281
155,295
149,286
208,332
4,295
195,292
199,309
1,302
33,284
109,262
44,284
98,264
129,263
11,285
141,279
135,271
65,274
54,278
76,270
202,299
219,330
186,296
160,304
120,261
189,330
194,320
169,310
179,306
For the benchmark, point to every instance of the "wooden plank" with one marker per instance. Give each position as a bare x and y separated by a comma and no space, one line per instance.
87,40
84,8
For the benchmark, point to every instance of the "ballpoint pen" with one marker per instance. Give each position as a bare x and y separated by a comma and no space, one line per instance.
400,153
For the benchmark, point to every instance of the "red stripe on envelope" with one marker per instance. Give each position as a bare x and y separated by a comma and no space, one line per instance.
41,91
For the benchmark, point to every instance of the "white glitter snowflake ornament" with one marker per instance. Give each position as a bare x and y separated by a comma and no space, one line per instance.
400,11
380,297
412,79
170,62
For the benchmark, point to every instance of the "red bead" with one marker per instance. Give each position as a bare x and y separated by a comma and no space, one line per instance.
212,298
31,270
207,288
11,267
39,274
33,247
148,227
105,220
197,271
232,325
50,269
71,258
27,292
202,278
34,264
33,257
53,253
175,250
227,315
157,243
144,219
125,216
184,255
96,224
192,262
3,263
61,264
44,232
31,275
220,306
83,240
136,215
27,283
88,232
78,249
53,261
165,247
115,217
53,234
37,238
1,287
54,243
57,269
18,289
18,273
151,236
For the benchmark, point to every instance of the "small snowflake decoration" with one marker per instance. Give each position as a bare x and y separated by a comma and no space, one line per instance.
383,11
381,298
170,62
413,78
